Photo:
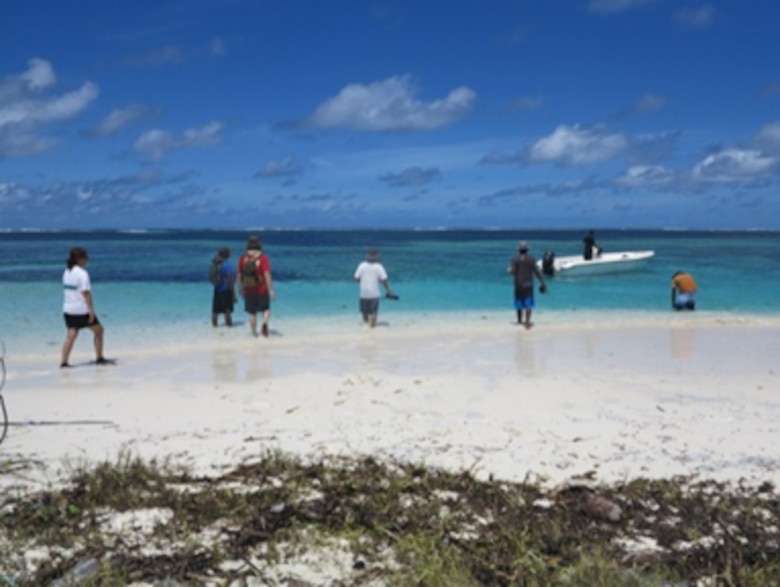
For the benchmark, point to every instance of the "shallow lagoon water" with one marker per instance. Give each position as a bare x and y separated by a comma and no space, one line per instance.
153,284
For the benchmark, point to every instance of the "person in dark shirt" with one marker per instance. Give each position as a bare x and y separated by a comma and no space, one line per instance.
590,246
523,268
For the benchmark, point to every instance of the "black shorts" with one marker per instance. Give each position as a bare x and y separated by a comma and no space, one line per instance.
79,321
254,303
369,306
222,302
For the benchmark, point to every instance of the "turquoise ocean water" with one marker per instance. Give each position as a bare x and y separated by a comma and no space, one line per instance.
153,284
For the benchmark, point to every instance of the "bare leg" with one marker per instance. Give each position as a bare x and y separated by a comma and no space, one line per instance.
253,323
228,319
528,322
214,320
70,338
266,319
97,329
372,320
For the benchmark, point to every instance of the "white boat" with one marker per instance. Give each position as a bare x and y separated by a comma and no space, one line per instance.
601,264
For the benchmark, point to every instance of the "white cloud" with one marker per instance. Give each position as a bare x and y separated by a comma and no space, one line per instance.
650,103
217,47
645,175
159,57
732,165
527,103
769,135
21,144
25,108
575,145
202,136
120,118
695,18
390,105
156,143
40,74
68,105
614,6
285,167
771,90
411,176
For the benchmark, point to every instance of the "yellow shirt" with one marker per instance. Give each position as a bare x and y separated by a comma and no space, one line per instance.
684,282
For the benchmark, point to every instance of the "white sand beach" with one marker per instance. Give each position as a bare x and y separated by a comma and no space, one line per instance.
619,398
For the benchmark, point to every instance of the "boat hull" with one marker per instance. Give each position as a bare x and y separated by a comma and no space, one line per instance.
605,263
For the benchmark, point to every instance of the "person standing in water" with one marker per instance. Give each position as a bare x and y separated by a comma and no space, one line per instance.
370,273
683,291
78,306
523,268
254,270
224,287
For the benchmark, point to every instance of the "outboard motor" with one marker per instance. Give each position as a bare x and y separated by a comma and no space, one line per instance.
548,263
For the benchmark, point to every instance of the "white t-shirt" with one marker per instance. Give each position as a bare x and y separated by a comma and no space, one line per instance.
370,274
75,282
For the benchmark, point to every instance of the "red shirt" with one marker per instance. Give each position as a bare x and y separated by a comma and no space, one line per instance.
263,266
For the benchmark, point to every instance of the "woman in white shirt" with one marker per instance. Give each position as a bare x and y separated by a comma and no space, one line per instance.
78,308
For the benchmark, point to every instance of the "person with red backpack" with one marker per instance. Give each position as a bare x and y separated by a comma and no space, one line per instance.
254,271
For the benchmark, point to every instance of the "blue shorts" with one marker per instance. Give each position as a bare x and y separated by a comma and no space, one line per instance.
685,300
524,303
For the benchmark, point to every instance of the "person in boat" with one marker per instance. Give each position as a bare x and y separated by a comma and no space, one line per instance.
590,246
523,268
683,291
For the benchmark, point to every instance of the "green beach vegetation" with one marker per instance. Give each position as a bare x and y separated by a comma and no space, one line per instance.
283,521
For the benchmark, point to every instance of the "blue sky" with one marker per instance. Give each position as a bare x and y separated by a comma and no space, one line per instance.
364,113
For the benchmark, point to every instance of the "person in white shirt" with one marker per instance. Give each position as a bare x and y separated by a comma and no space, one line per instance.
78,308
370,273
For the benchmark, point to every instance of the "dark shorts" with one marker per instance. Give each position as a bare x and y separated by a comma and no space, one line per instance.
369,306
254,303
222,302
79,321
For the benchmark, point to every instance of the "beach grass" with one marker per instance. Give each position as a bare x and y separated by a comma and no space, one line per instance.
279,519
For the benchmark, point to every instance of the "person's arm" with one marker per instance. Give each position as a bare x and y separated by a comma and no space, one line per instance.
239,269
88,298
674,295
267,274
231,283
543,284
386,284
